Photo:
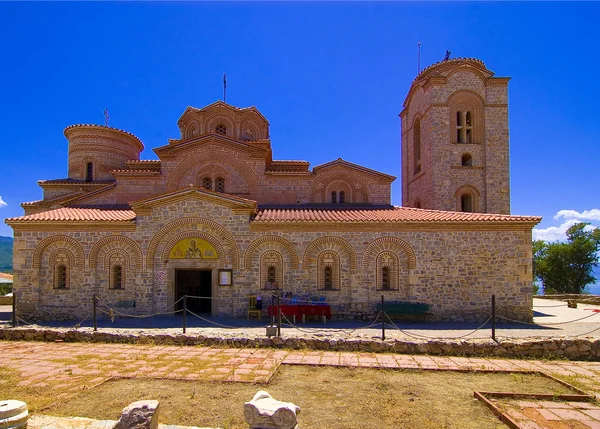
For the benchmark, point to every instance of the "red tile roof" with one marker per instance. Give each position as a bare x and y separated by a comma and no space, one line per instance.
6,276
392,214
67,214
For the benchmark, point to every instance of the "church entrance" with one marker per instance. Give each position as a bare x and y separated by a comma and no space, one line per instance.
194,283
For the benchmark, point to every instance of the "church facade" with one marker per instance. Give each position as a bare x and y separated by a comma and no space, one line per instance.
217,217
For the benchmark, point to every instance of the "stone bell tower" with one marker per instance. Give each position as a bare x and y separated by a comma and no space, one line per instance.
455,139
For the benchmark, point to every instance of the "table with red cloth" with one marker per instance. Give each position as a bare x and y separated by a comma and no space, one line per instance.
302,309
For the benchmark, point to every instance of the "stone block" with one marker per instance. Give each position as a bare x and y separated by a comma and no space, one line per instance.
264,412
139,415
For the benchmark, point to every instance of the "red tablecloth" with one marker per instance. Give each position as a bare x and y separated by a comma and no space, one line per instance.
299,310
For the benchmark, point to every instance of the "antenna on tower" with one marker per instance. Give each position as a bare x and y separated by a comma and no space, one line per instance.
106,117
419,58
224,87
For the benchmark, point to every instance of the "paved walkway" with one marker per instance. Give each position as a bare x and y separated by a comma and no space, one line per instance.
551,319
67,368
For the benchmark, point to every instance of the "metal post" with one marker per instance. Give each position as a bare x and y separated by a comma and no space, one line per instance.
14,310
494,317
184,312
278,316
94,314
382,320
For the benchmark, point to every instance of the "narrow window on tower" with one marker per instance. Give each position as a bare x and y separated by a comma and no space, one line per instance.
334,197
89,172
342,197
469,127
459,127
466,203
417,145
207,183
466,160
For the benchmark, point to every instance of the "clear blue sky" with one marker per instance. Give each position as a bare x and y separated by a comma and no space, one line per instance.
330,78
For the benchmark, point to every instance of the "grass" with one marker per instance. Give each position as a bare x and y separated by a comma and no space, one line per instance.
329,398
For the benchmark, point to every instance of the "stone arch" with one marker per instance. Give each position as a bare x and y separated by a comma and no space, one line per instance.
71,244
329,243
192,129
388,243
463,188
250,124
289,247
57,258
221,233
113,242
116,251
192,234
211,153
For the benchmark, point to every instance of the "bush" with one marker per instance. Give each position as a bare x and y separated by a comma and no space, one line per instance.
5,288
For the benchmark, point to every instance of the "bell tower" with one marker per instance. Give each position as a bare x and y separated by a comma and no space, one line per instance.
455,139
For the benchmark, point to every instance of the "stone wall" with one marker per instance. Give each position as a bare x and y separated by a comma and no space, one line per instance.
455,269
558,348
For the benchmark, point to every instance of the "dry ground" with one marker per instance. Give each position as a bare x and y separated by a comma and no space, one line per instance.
329,397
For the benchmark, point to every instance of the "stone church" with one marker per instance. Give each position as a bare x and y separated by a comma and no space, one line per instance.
216,216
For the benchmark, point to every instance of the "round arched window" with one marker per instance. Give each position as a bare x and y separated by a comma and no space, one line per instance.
466,160
221,129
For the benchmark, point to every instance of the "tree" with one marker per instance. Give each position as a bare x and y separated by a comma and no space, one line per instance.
567,267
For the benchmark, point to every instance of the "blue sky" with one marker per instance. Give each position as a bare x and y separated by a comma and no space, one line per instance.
330,78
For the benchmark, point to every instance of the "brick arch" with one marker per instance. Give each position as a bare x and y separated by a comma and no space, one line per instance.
117,251
460,99
224,117
476,72
463,188
75,248
321,184
193,234
388,243
250,123
212,153
220,232
116,241
289,247
326,243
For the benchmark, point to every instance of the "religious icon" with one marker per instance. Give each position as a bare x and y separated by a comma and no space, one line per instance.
225,277
193,251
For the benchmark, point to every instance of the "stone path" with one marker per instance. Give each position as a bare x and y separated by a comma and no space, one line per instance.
71,367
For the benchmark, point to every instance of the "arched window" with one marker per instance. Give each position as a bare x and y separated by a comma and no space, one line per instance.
61,277
342,197
417,145
328,278
207,183
466,203
328,270
221,129
271,270
466,160
117,277
464,126
385,278
89,172
333,197
387,271
220,184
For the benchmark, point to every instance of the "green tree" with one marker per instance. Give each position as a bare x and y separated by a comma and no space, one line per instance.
567,267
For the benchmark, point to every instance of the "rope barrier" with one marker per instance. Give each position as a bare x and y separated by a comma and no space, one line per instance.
313,330
216,323
436,338
145,316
